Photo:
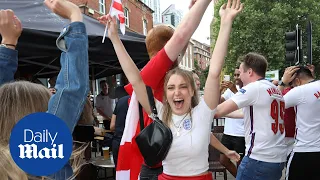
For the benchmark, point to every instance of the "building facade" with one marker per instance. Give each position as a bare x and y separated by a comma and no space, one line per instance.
202,54
138,15
187,61
155,6
171,16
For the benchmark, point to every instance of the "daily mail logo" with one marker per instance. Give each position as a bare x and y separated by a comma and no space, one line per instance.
31,151
41,144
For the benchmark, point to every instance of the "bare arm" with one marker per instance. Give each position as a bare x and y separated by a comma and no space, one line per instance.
10,30
102,113
129,68
281,88
237,114
212,90
113,122
220,147
186,28
214,142
225,108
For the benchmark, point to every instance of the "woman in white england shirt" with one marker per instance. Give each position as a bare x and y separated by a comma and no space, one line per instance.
189,120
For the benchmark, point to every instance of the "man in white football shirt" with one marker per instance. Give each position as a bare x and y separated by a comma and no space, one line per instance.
305,97
263,107
233,135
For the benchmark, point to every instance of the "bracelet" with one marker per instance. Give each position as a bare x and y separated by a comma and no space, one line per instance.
6,45
10,45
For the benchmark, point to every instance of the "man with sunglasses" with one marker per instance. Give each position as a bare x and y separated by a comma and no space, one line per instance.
233,135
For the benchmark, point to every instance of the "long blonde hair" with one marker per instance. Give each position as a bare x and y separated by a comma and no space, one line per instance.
188,77
19,99
8,169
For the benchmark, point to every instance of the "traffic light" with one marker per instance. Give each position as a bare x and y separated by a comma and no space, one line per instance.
293,46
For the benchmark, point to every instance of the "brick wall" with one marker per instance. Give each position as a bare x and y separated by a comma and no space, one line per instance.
137,12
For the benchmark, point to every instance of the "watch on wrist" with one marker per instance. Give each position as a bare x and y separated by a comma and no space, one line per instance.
282,84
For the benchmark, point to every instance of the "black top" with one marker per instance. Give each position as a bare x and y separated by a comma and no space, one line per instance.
121,112
83,133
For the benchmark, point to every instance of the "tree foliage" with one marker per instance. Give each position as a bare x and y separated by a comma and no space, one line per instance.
261,28
202,73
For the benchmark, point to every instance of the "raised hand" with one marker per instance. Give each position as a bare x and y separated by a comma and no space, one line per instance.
289,74
228,12
224,85
311,68
65,9
230,85
10,27
234,156
111,23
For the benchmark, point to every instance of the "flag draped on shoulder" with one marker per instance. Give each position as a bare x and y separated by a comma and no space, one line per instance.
129,157
116,9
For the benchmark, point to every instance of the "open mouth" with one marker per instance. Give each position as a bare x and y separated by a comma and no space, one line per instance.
178,103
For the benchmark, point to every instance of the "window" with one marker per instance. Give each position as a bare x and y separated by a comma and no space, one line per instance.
145,30
126,16
102,7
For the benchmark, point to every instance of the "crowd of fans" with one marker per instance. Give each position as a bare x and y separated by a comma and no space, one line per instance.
268,125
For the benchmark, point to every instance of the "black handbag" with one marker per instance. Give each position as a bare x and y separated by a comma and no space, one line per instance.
154,141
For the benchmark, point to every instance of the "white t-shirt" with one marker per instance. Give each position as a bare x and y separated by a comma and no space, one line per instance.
306,99
233,127
106,104
188,155
264,134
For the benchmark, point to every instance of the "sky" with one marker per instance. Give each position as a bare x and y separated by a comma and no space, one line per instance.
202,34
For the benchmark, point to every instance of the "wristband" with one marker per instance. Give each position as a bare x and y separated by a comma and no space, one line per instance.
5,45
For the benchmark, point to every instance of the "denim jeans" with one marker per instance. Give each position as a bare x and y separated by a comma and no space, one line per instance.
72,82
251,169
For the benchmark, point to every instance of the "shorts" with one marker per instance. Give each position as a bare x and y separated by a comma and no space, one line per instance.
303,165
235,143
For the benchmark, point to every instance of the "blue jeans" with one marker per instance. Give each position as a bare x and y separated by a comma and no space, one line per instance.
72,82
251,169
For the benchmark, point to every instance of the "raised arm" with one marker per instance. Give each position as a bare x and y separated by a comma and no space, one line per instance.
288,76
186,28
73,80
129,68
10,30
228,12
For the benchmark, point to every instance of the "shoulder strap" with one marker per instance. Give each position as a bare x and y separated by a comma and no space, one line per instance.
152,106
141,119
151,101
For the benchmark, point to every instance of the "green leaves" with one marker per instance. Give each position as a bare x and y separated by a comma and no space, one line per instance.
261,28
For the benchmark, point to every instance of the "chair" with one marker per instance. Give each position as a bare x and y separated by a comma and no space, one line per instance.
214,155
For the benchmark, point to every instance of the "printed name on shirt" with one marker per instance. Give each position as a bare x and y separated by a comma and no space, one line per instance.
275,93
242,91
317,94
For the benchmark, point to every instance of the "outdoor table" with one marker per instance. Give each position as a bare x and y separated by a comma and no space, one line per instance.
104,164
